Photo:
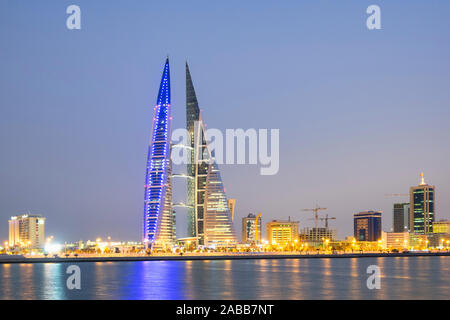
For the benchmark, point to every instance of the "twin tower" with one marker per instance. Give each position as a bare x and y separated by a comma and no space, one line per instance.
209,217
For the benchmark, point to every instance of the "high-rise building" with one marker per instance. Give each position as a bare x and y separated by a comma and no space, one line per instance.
401,217
232,206
251,229
27,231
442,226
209,216
282,232
367,226
422,209
159,218
196,169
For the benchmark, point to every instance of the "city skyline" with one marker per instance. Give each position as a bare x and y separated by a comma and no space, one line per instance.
349,126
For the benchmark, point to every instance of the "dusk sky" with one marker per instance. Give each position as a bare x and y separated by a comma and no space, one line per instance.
361,112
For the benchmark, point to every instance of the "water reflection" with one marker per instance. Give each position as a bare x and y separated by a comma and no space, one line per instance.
401,278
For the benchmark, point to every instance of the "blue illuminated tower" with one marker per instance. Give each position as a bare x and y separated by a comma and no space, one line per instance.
159,219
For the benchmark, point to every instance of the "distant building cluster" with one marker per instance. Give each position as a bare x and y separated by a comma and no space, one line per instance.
414,224
211,213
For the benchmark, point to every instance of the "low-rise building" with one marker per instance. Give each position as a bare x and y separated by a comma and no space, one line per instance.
396,240
282,232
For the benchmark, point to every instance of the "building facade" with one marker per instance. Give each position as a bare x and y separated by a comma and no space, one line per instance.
209,216
367,226
317,235
232,206
442,226
422,209
282,232
219,230
401,217
251,229
159,218
27,231
396,240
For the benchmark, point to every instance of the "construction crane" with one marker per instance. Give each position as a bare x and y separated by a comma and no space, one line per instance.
256,228
397,195
326,220
316,215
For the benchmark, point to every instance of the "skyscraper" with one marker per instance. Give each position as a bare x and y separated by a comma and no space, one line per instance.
422,210
159,218
401,217
367,226
209,217
197,172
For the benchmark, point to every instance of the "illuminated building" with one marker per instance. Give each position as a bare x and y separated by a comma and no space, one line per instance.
401,217
318,234
251,229
396,240
159,218
418,240
282,232
219,230
196,170
422,210
442,226
209,216
27,231
367,226
232,206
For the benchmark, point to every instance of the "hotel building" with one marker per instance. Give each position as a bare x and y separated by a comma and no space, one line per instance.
27,231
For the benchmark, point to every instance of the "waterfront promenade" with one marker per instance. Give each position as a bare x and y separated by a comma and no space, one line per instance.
210,256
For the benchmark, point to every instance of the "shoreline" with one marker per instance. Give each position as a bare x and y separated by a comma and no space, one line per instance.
24,260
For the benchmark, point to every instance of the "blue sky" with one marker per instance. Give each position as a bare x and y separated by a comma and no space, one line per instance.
361,113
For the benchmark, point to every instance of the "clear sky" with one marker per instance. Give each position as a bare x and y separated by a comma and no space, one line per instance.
361,113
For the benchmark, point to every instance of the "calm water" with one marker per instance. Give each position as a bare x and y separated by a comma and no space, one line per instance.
402,278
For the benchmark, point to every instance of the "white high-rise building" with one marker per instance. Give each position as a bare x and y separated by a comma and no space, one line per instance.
27,231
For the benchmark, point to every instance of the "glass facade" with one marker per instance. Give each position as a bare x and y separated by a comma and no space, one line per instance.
211,225
401,217
367,226
196,185
159,219
219,231
422,209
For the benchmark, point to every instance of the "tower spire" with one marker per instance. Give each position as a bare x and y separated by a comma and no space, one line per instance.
422,179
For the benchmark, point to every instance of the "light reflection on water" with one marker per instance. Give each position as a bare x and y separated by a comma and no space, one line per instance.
402,278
